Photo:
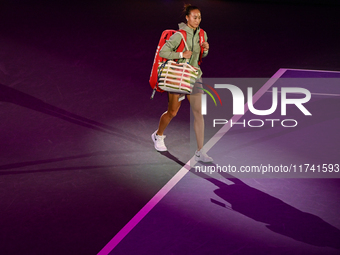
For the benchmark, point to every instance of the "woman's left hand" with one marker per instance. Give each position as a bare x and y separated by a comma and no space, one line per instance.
205,46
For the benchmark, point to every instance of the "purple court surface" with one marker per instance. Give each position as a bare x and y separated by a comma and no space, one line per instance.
78,170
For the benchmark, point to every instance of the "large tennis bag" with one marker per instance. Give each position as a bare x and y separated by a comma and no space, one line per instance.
167,75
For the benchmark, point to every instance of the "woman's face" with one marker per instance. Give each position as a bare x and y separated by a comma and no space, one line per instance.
194,19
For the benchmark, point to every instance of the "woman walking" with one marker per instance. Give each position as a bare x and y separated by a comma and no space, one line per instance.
168,51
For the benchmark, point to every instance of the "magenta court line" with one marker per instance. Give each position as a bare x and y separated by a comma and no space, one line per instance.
145,210
185,169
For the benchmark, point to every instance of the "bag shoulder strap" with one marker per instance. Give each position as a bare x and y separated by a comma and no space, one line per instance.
202,40
183,43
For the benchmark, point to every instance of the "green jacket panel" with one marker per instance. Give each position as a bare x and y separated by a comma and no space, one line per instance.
168,51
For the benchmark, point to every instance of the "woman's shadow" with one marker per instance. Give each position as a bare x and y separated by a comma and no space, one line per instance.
10,95
280,217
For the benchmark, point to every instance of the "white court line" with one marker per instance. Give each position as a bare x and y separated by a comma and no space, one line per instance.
322,94
310,70
185,169
306,70
316,94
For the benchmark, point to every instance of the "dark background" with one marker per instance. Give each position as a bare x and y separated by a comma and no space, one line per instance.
76,158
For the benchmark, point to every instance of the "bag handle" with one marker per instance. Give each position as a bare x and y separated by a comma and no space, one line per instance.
185,44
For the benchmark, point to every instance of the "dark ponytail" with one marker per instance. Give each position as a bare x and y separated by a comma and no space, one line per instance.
188,8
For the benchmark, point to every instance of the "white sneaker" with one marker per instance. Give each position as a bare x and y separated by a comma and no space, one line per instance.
158,141
202,156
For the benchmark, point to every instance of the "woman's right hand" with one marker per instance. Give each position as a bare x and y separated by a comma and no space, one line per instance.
187,54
